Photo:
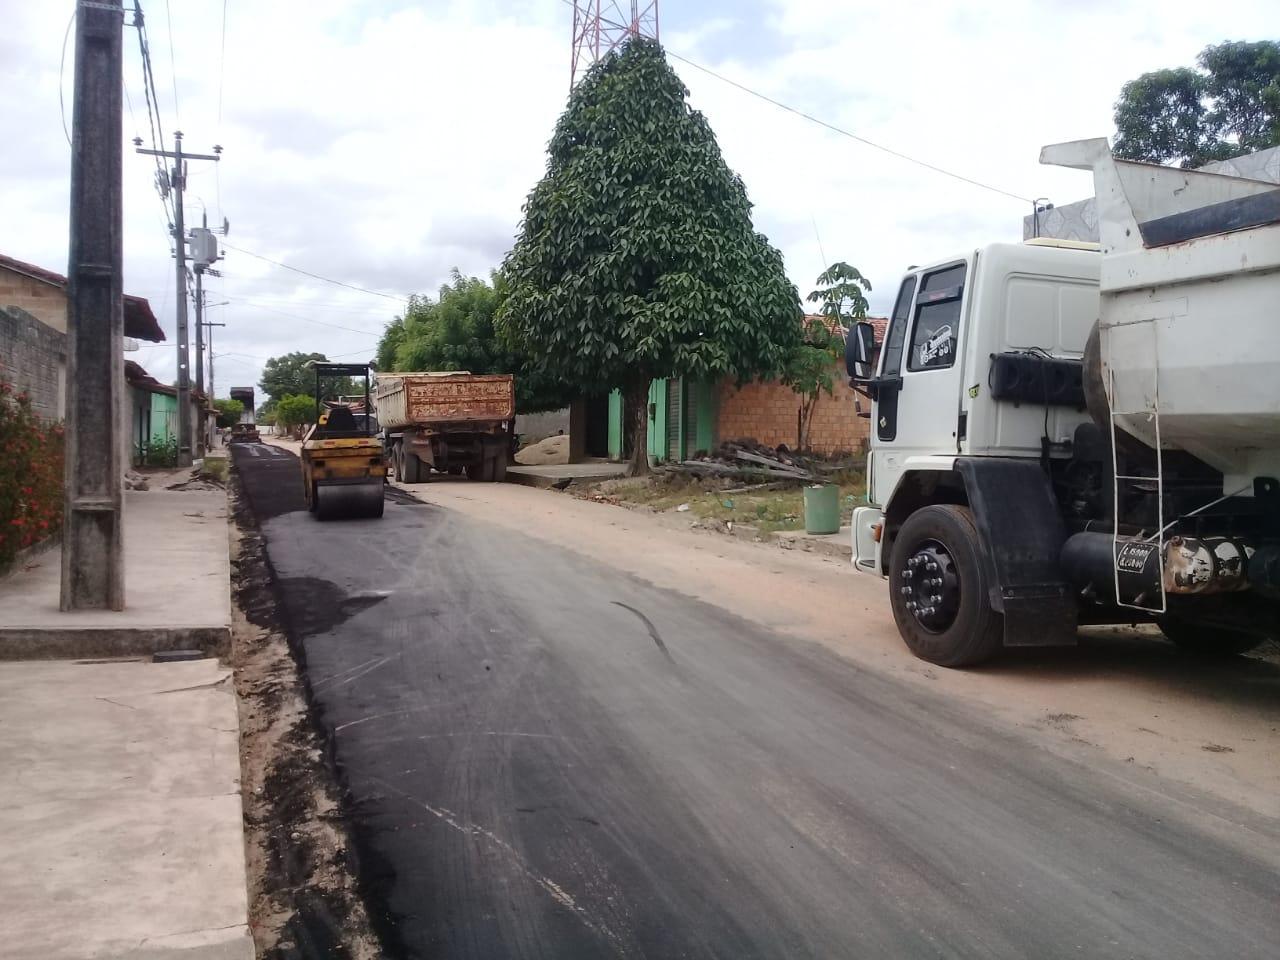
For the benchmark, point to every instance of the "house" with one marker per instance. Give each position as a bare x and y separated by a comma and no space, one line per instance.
33,332
686,416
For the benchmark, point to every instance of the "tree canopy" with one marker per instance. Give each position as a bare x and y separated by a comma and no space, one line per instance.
228,411
295,410
289,375
1230,105
456,331
637,257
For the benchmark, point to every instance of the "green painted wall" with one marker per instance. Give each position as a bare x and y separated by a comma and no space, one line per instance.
616,426
706,397
658,420
164,417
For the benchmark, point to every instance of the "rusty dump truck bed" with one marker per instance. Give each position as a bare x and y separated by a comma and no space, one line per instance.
424,399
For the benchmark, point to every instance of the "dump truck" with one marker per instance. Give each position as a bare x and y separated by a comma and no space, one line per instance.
1066,434
246,429
343,466
454,422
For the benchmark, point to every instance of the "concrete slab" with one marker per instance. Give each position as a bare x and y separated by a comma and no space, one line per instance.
549,475
120,814
177,587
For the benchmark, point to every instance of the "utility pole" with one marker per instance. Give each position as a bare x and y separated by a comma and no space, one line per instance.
93,510
200,353
211,326
178,181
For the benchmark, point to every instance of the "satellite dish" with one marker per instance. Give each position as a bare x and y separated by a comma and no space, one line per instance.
226,226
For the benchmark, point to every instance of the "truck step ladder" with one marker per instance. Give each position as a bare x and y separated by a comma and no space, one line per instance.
1150,410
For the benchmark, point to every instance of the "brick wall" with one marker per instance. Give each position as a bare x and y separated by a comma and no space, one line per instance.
44,301
33,359
768,412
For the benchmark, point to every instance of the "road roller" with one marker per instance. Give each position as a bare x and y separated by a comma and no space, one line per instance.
343,467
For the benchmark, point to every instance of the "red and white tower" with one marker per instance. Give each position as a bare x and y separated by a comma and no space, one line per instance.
601,25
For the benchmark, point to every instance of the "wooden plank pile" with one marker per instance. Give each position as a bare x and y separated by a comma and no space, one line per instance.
745,459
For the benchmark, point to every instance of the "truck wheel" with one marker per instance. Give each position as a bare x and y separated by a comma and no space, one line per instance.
939,588
1206,641
500,468
412,468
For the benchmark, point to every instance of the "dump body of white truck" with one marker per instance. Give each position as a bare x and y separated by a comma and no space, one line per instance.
1064,436
453,422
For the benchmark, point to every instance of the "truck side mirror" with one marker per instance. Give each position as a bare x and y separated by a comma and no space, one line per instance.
859,345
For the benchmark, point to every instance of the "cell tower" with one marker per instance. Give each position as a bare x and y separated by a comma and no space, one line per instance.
601,25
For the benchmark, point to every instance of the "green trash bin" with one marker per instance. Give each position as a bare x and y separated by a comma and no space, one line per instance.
822,508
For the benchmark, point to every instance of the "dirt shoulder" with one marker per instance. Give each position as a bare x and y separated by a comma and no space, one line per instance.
303,900
1214,726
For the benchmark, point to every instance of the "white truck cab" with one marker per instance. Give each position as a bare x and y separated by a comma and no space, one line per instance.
1067,433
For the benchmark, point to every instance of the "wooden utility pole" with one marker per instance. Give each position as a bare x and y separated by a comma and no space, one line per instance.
93,514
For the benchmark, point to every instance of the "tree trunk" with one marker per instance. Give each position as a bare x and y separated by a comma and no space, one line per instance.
804,417
636,407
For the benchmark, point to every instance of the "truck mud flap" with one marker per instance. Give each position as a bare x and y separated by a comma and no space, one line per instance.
1016,514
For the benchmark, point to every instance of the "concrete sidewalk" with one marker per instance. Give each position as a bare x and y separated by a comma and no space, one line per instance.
177,587
120,815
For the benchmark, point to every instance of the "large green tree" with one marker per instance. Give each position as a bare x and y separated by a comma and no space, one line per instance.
1229,106
456,331
637,257
289,375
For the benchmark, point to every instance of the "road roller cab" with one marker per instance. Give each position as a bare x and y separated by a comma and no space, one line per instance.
343,468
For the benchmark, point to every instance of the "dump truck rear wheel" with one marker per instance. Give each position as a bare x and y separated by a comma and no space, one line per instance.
500,468
412,468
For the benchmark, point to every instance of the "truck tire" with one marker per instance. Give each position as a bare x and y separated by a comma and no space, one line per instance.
939,588
412,468
500,468
1206,641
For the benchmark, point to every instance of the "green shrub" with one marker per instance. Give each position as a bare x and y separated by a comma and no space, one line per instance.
31,453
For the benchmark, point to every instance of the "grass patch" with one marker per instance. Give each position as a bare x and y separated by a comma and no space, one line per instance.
215,468
709,498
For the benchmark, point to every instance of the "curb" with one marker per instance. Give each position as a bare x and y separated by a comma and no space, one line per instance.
79,643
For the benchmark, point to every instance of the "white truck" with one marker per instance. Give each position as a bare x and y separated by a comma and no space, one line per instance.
1067,433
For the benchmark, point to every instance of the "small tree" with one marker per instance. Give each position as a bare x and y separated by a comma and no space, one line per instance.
811,366
295,411
637,258
1229,106
229,411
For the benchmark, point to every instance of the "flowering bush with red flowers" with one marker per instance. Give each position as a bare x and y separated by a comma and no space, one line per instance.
30,475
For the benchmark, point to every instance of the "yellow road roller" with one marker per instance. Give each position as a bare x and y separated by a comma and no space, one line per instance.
343,467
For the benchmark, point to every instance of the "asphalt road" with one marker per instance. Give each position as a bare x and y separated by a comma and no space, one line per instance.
545,757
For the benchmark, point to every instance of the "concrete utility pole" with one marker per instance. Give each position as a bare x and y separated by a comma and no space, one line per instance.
200,353
93,511
178,181
211,326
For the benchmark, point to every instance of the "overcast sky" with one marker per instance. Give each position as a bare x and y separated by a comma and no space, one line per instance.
383,143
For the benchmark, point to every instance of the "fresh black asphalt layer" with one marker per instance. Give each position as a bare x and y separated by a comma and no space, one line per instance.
545,757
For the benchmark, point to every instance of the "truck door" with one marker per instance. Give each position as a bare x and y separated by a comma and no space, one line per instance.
918,390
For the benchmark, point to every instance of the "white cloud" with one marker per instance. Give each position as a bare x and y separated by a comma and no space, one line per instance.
384,143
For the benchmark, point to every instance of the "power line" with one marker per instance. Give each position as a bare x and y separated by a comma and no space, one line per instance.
173,62
295,316
847,133
222,59
314,276
840,130
62,70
